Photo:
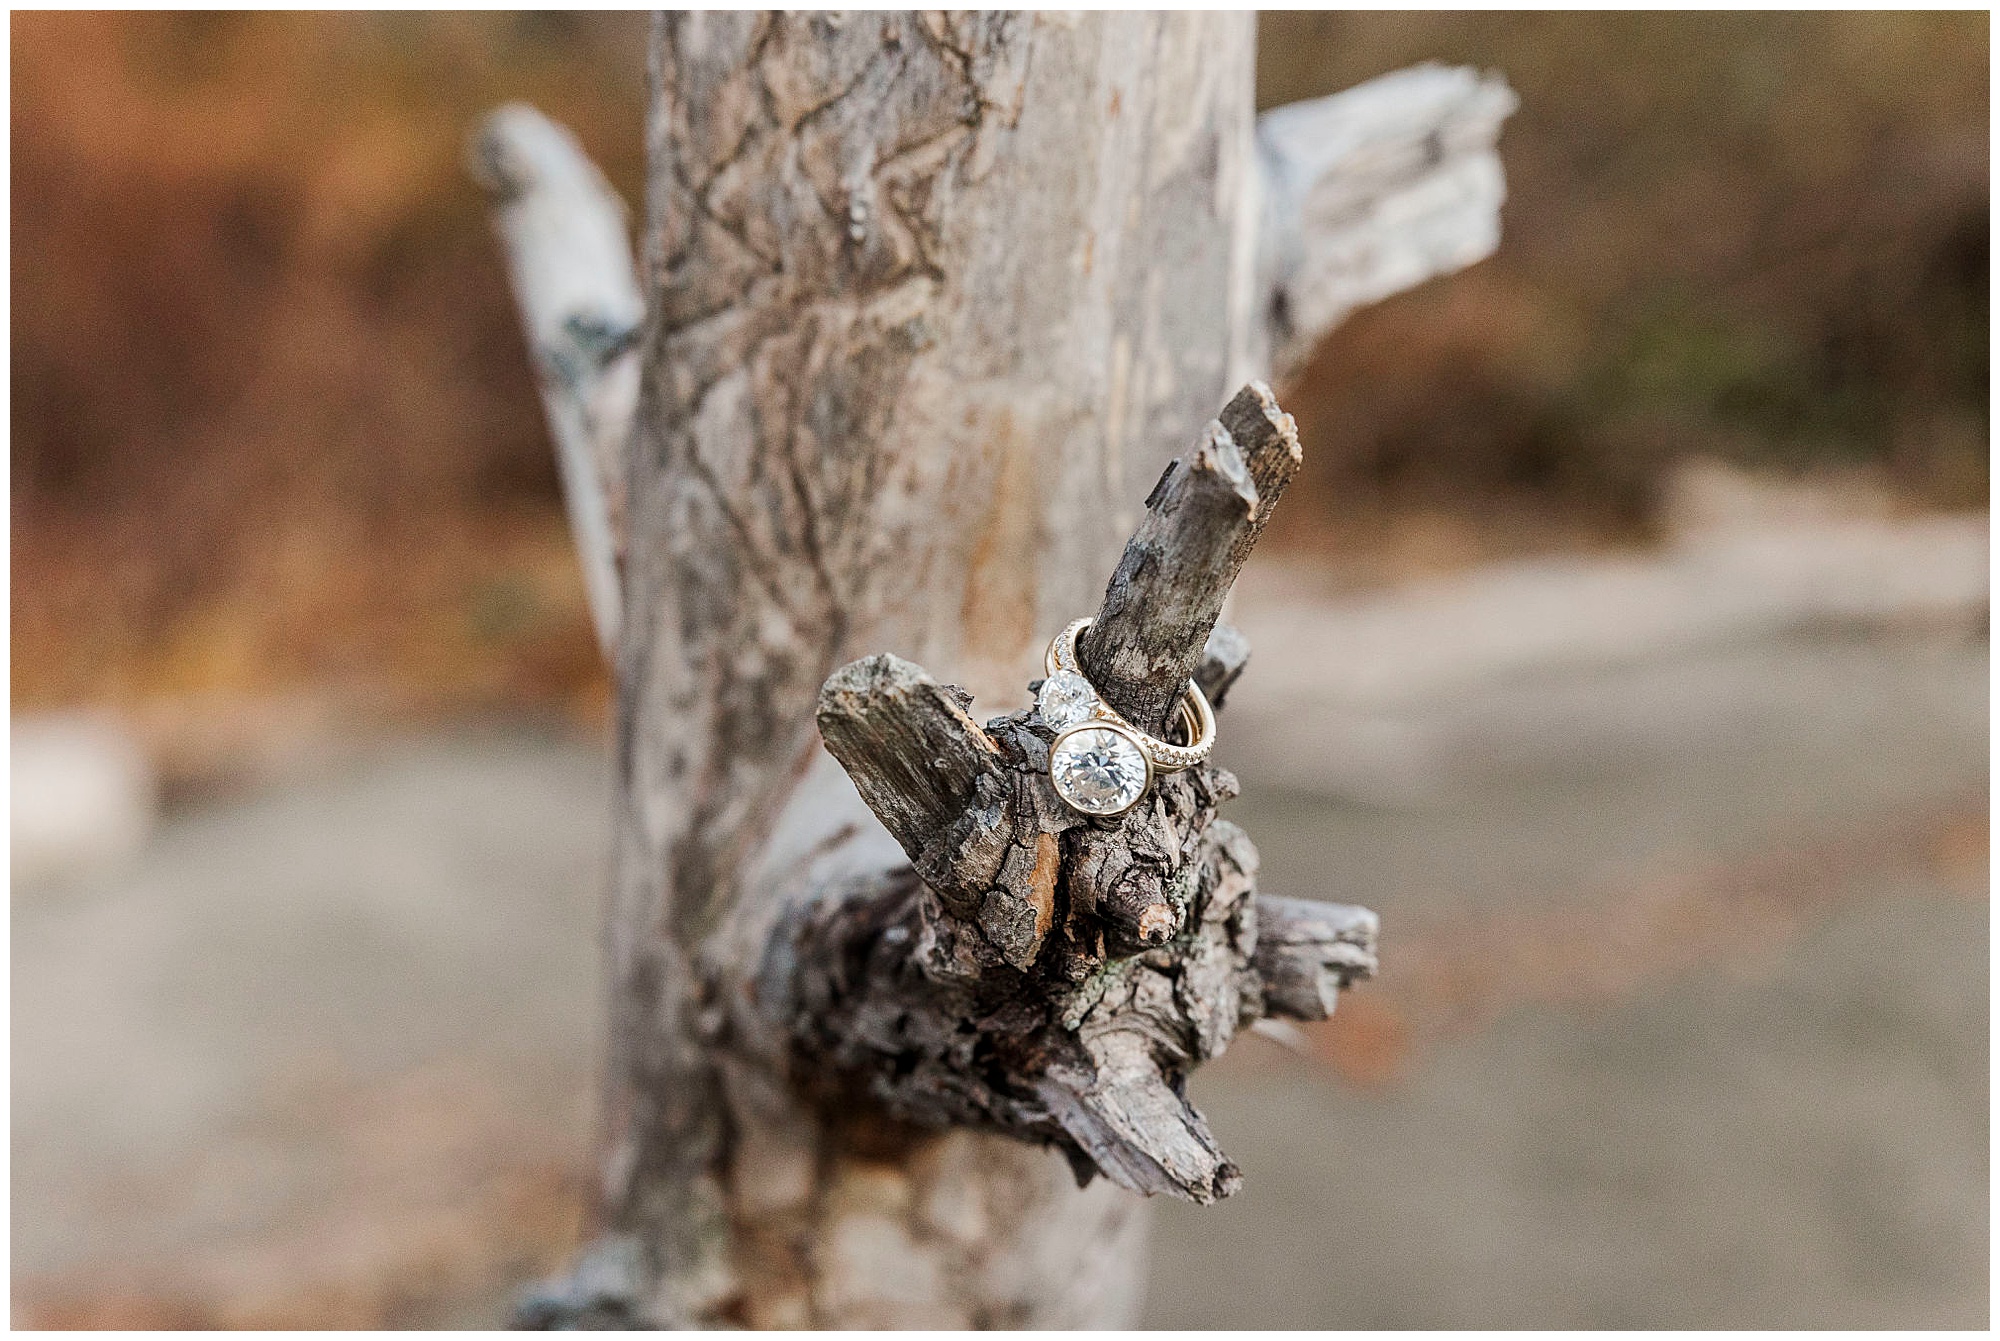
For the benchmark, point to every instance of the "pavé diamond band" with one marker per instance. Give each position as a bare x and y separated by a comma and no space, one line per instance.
1100,763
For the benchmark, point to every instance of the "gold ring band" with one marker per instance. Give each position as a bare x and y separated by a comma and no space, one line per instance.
1196,718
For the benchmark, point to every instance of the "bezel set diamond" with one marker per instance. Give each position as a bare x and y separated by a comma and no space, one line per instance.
1099,767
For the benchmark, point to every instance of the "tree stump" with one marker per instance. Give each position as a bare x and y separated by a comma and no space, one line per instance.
928,300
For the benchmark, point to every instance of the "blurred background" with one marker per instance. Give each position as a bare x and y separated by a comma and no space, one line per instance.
1624,645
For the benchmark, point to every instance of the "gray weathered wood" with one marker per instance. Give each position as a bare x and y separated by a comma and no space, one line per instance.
570,259
901,382
1045,975
1308,952
1223,658
1001,992
1149,635
1372,191
930,299
1360,194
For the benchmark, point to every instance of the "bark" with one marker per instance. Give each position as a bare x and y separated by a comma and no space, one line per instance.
898,374
1201,520
929,299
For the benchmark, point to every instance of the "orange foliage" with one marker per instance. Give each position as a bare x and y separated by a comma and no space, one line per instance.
272,415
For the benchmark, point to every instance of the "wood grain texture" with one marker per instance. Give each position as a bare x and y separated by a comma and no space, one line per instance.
1150,633
1036,972
929,300
1006,983
908,366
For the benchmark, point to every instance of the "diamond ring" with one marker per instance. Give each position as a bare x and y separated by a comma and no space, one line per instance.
1100,763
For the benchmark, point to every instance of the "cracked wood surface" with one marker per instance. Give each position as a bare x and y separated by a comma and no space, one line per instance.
929,298
1040,973
1358,195
910,359
1149,636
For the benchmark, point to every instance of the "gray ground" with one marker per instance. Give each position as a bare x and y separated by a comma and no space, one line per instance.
1804,1151
1792,1135
300,1062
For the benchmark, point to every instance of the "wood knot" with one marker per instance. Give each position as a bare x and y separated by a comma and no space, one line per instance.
1156,923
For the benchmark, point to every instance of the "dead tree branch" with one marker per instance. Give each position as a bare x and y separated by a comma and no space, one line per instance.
1039,973
1203,516
1365,193
1373,191
926,297
570,259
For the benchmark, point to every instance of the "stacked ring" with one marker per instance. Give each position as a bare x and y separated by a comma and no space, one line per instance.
1100,763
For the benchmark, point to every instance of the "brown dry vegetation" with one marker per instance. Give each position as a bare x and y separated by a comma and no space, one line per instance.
1761,237
272,417
273,424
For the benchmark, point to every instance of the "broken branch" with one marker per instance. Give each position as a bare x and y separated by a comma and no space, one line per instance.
1373,191
1038,972
1201,520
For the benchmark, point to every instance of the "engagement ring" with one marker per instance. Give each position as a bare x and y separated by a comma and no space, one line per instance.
1100,763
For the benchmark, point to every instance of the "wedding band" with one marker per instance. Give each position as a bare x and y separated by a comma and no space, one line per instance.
1196,718
1100,763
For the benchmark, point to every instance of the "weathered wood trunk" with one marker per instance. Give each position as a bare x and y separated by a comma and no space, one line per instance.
930,302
